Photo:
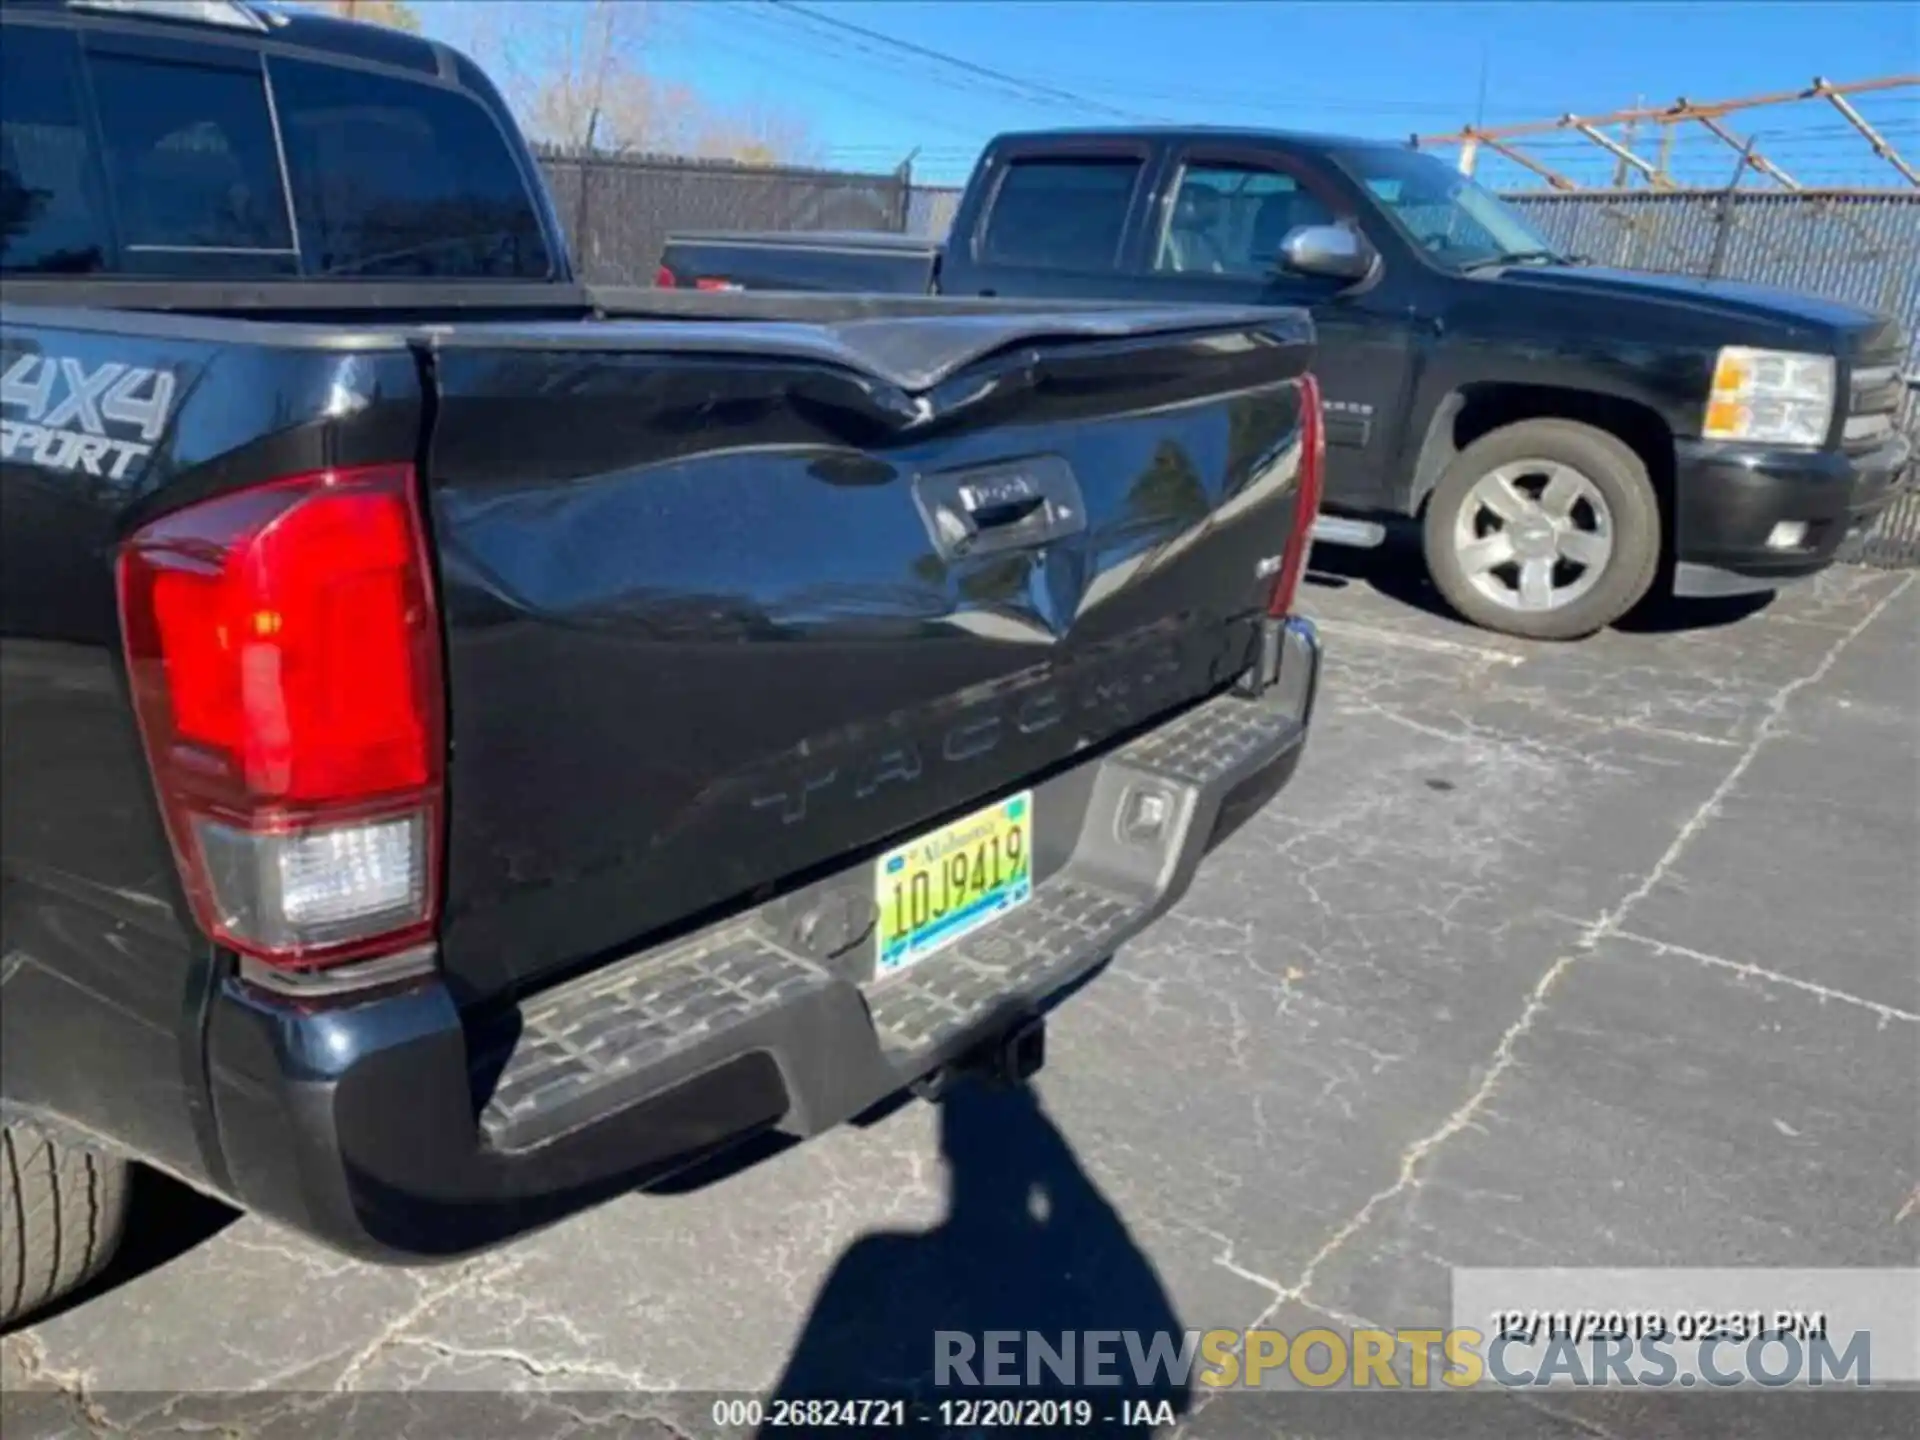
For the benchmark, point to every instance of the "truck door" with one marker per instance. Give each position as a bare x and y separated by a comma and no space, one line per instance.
1220,219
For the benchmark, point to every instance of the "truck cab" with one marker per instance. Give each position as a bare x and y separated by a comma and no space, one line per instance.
1569,437
1568,434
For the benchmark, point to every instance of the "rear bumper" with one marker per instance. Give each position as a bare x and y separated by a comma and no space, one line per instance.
1729,498
395,1129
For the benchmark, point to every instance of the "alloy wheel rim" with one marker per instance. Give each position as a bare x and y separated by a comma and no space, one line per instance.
1533,535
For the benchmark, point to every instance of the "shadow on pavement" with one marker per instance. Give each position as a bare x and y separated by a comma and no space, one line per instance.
1028,1245
1667,614
1396,570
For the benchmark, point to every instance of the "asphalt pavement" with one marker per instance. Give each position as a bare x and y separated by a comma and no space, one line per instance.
1594,954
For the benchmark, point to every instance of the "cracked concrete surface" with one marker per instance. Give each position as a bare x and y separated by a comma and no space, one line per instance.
1595,954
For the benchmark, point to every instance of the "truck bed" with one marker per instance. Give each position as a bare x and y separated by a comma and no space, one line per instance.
548,313
886,242
864,261
703,632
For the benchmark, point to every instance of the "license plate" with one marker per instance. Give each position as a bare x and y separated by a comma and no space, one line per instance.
933,890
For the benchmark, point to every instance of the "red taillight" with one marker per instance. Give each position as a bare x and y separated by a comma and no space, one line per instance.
284,655
1306,504
709,282
664,279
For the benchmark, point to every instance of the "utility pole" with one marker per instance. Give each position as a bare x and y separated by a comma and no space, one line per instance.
1470,149
903,175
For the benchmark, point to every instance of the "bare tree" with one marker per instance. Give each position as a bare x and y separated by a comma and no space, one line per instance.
587,85
396,14
586,99
576,83
753,134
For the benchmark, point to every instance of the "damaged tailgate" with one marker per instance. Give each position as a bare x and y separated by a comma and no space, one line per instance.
732,602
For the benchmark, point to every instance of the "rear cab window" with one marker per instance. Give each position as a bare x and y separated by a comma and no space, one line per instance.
1056,212
393,178
212,161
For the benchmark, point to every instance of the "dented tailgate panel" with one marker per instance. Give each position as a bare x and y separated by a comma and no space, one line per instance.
717,621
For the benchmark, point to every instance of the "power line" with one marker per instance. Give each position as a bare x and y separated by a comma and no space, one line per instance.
1033,92
1036,92
1686,145
1298,100
1000,77
838,83
839,48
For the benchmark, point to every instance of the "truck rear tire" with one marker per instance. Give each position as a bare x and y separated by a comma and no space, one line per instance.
1546,529
62,1209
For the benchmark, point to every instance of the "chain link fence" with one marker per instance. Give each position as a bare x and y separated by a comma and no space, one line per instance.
930,210
617,210
1861,247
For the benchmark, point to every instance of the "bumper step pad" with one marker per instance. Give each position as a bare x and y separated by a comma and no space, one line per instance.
607,1039
1035,950
619,1022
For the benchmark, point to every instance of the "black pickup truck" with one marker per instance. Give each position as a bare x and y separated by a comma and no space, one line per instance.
474,746
1569,436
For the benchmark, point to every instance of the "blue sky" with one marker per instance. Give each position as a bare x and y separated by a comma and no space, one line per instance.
1381,68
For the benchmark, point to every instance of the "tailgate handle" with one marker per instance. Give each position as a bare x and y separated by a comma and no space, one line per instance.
990,514
1010,505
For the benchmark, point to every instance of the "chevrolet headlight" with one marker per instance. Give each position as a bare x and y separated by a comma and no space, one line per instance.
1776,397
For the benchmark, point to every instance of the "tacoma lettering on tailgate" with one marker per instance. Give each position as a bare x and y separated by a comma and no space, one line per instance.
1125,683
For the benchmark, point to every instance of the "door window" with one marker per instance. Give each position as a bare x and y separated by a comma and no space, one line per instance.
1230,219
388,177
51,220
192,164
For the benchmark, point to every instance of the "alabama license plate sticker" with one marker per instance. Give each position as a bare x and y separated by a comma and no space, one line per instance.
951,881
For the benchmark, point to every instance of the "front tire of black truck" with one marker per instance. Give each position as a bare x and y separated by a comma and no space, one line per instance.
63,1206
1545,529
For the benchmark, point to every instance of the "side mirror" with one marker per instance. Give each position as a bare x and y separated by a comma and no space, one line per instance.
1335,251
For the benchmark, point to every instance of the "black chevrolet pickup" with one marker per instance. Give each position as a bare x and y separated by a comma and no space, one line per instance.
474,746
1569,436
